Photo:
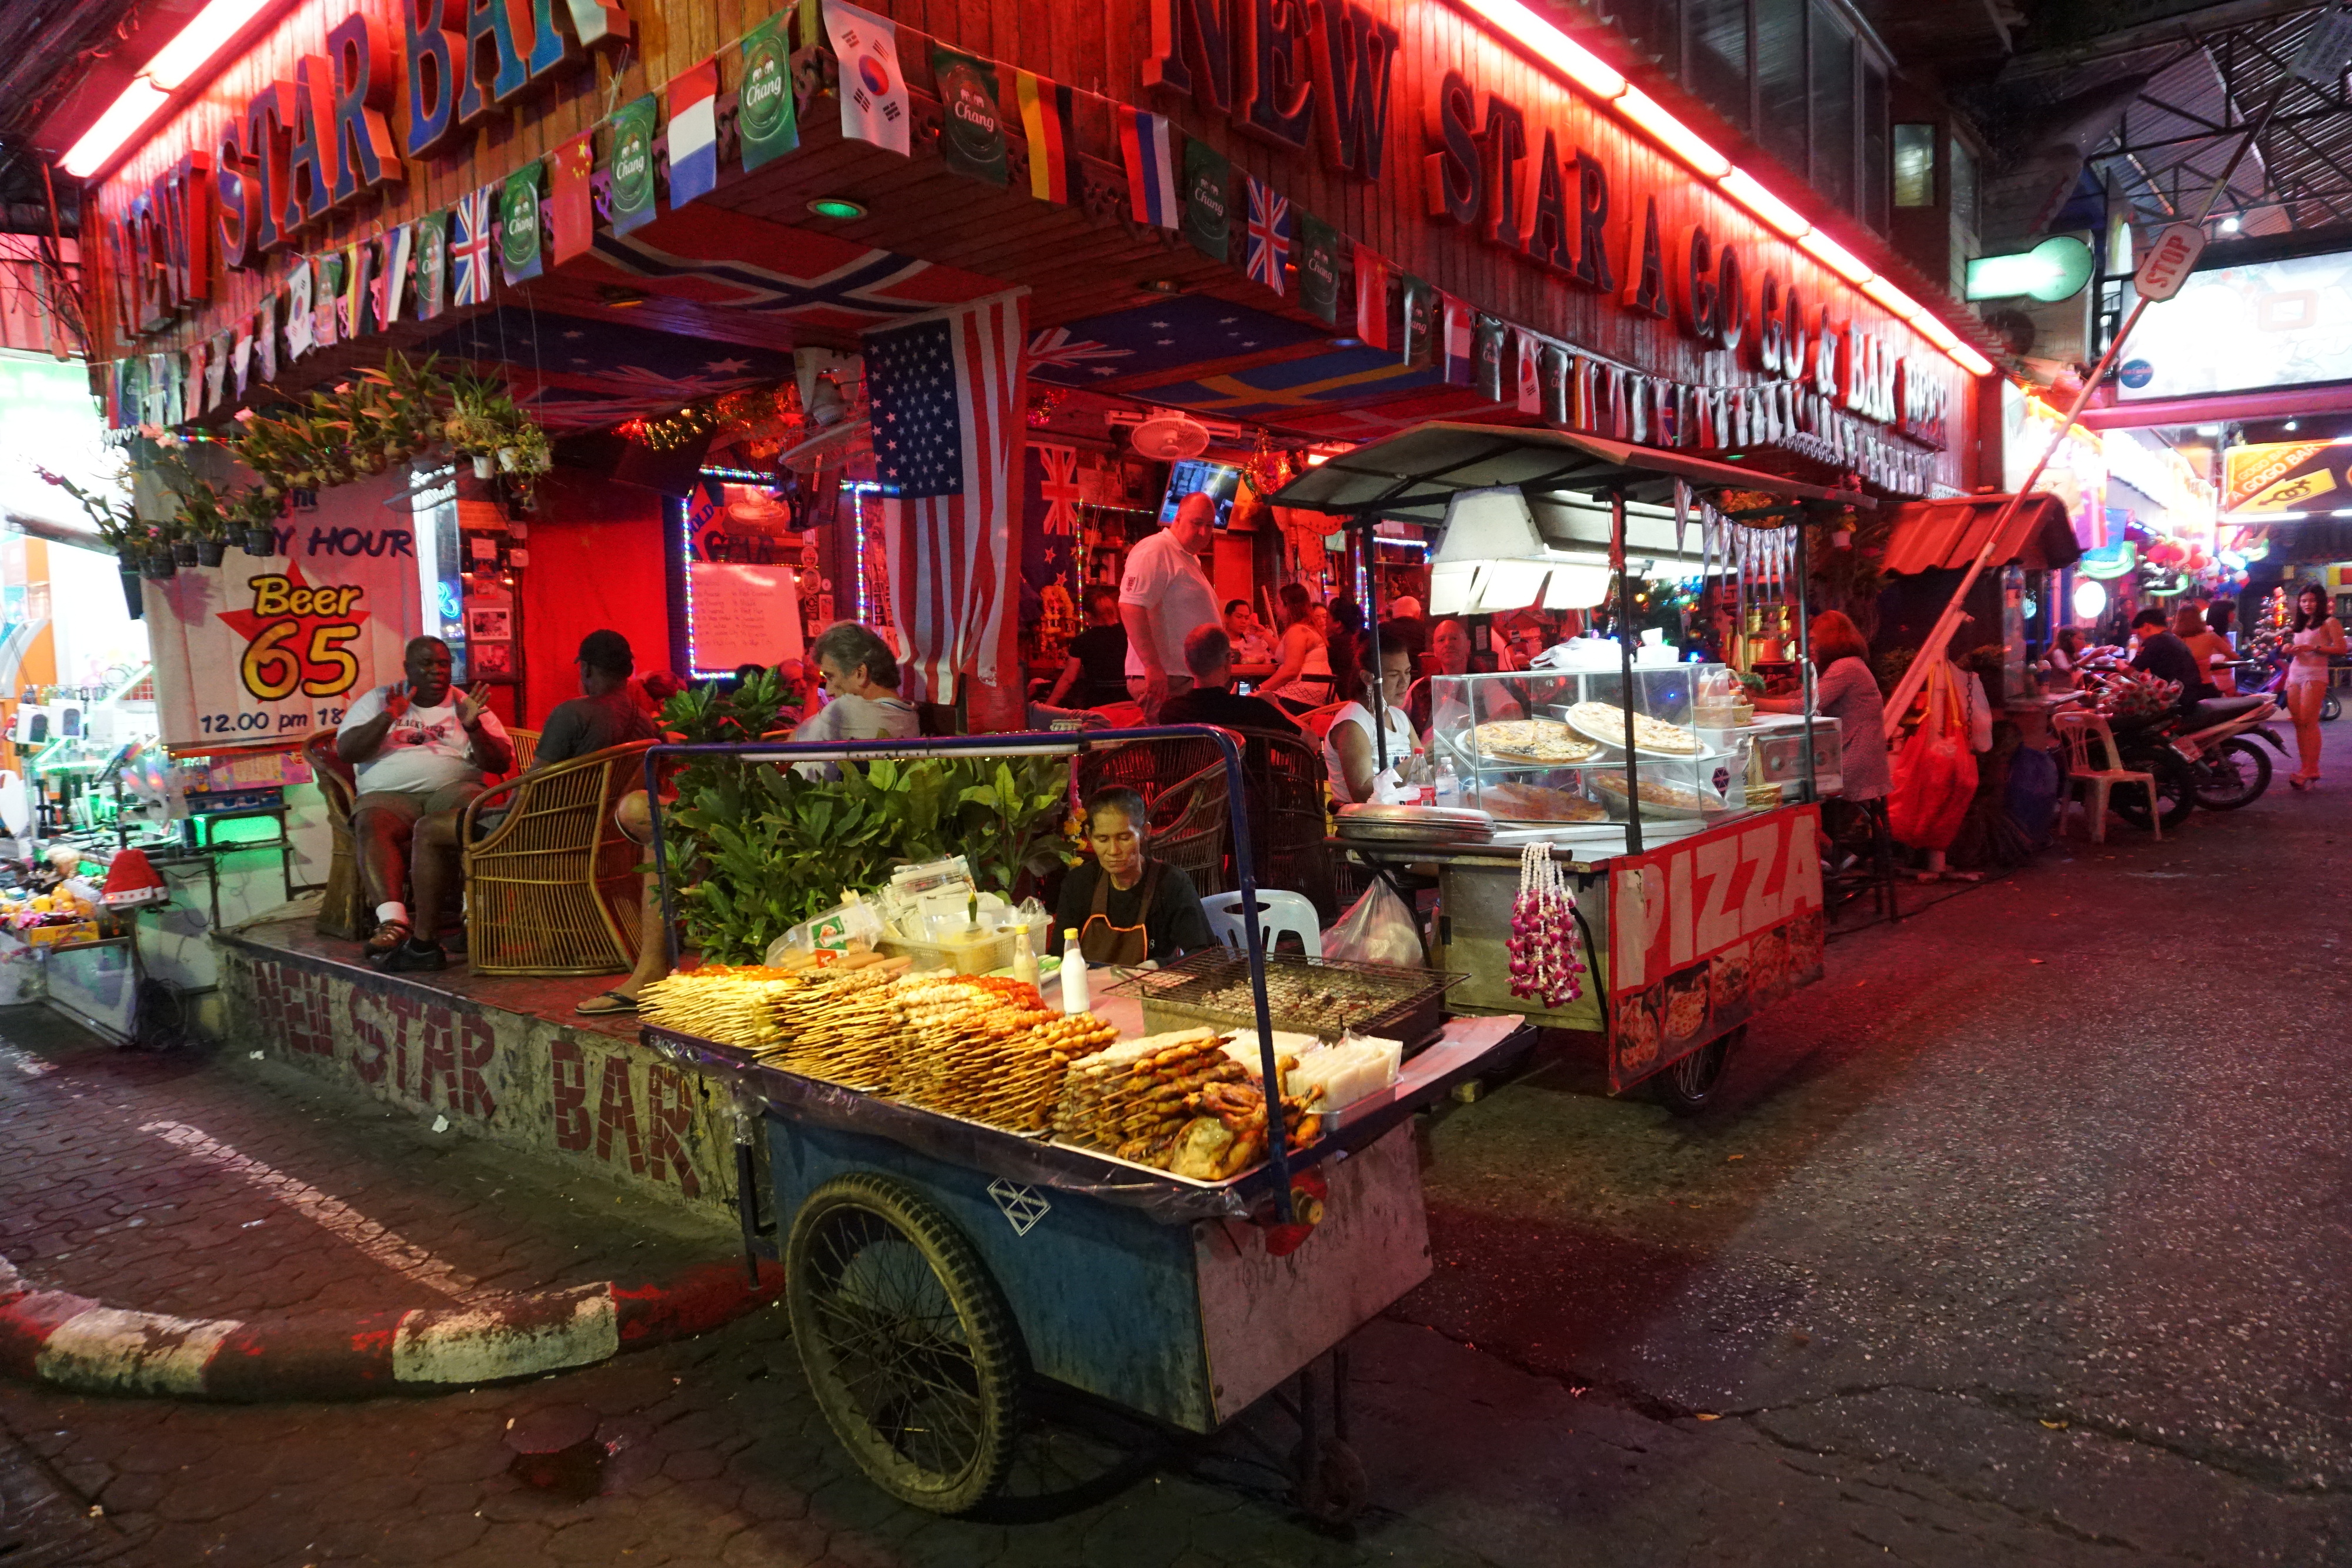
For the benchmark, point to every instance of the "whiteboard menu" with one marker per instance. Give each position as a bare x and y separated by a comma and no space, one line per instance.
741,614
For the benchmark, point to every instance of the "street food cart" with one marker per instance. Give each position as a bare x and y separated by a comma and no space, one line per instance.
1683,885
937,1262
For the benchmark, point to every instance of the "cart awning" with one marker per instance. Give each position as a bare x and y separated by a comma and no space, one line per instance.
1931,534
1413,474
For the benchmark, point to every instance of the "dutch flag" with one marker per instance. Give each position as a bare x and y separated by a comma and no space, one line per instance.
694,133
1148,145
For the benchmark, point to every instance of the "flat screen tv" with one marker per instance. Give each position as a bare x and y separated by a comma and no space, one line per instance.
1194,474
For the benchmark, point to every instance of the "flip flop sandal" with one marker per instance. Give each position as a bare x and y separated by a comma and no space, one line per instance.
606,1005
386,938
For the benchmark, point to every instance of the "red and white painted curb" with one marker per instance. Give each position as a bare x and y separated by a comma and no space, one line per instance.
73,1343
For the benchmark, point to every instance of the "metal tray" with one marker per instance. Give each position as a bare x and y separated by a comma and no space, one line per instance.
1405,1005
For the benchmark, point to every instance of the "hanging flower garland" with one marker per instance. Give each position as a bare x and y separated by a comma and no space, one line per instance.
1545,963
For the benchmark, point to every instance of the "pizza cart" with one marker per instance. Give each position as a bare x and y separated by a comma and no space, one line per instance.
936,1264
1622,846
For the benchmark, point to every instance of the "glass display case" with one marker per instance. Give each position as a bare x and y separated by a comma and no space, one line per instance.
1548,746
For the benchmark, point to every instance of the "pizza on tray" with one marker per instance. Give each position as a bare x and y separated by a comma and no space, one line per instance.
1533,740
1606,722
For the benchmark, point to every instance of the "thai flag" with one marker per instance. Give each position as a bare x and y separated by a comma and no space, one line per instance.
1144,142
1269,235
472,223
694,133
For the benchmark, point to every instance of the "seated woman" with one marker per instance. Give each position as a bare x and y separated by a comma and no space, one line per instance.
1125,907
1350,759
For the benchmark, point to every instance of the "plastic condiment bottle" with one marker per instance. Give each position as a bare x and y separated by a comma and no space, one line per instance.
1024,956
1073,973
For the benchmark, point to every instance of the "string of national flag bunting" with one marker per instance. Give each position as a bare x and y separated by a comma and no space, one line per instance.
545,213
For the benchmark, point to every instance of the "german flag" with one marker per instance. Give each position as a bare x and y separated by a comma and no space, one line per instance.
1048,119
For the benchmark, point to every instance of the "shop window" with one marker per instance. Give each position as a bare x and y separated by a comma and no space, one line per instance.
1874,178
1831,48
1781,81
1914,165
1719,56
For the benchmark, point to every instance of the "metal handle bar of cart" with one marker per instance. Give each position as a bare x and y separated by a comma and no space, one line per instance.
1031,744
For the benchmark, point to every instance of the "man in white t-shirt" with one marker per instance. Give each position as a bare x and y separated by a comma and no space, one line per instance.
419,747
1164,594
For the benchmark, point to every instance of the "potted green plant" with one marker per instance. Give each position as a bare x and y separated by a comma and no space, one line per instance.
118,524
256,511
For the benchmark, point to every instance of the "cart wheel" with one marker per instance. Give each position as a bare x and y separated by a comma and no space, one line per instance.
1687,1086
1338,1488
907,1343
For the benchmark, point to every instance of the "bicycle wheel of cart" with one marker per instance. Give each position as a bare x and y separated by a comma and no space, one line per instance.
1688,1086
907,1342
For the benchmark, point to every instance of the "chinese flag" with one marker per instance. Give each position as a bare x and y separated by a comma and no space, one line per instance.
574,213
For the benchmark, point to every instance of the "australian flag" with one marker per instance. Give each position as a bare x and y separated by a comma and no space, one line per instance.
1269,235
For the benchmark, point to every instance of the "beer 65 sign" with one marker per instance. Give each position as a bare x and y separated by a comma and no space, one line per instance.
275,648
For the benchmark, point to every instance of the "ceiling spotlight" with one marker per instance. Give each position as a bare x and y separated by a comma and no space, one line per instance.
2290,424
2229,226
840,207
1161,286
620,297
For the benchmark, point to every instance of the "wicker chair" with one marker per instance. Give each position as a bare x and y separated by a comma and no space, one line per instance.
1289,823
343,913
553,888
1182,783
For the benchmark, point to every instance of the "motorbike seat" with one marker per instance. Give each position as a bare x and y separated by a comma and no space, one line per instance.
2221,710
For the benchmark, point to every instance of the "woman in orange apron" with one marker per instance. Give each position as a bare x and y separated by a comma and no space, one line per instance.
1125,907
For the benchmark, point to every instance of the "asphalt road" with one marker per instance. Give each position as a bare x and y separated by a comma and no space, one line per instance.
2038,1199
2021,1239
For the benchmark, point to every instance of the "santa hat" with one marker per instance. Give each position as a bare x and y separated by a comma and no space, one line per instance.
131,881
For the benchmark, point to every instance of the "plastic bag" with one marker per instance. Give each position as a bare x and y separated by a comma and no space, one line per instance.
1935,774
1377,930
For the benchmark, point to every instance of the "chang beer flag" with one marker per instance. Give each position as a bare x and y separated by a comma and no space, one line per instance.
971,130
1488,338
1418,345
764,116
520,254
1318,269
630,167
432,247
1208,199
873,86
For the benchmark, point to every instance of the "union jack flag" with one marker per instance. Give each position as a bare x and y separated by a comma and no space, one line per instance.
1058,489
1058,346
473,224
1269,235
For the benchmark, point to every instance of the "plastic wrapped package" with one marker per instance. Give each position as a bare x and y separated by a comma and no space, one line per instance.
854,925
1358,1065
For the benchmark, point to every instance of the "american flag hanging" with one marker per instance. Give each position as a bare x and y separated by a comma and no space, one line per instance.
948,426
471,224
1269,235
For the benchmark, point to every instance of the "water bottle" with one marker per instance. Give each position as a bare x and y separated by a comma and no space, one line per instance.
1449,783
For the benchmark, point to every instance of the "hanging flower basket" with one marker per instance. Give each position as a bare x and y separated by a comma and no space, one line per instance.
184,551
261,541
209,552
133,599
485,465
158,566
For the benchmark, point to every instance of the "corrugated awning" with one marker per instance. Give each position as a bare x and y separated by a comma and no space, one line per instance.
1949,533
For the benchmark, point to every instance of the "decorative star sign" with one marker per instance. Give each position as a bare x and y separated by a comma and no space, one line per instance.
297,637
726,367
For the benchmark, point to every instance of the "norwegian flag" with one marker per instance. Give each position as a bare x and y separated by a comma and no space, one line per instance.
472,226
1269,235
949,396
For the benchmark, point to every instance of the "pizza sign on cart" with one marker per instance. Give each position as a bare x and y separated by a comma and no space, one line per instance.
1705,933
268,650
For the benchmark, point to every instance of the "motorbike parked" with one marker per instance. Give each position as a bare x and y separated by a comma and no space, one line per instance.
2219,741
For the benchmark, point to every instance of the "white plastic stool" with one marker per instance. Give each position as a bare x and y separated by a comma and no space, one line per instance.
1279,911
